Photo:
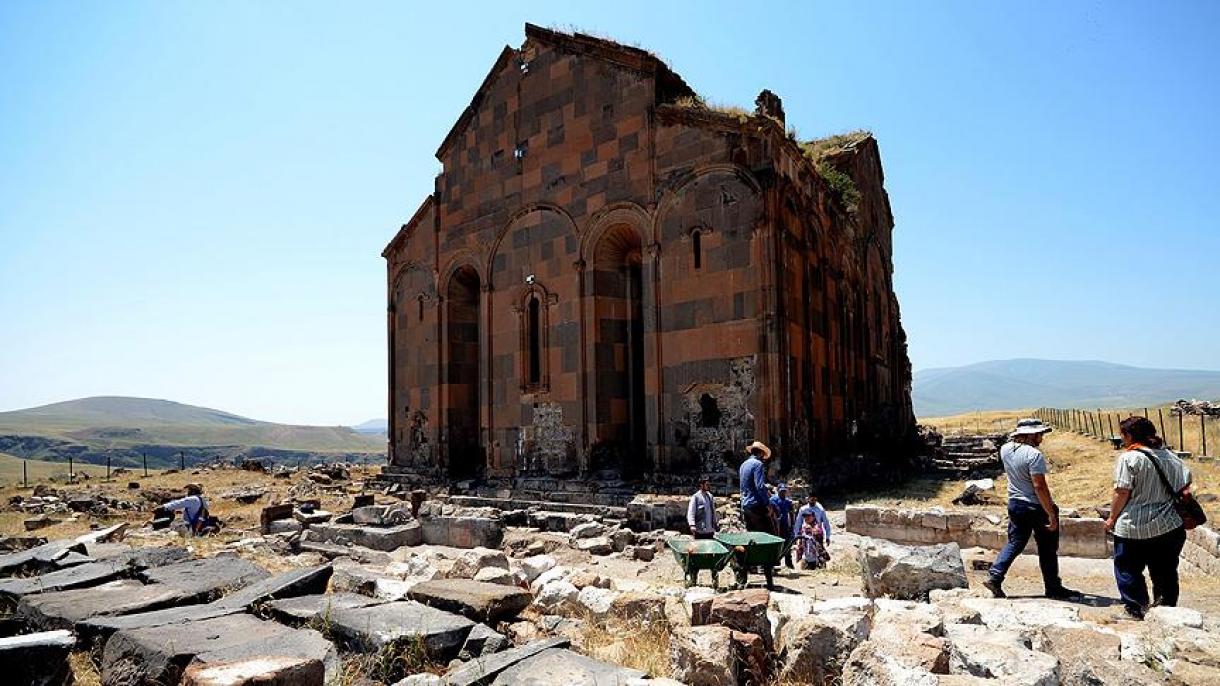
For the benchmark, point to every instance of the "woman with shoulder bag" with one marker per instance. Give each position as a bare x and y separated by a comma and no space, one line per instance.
1150,482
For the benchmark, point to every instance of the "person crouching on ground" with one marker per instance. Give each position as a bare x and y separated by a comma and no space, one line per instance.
783,517
1031,510
1147,530
194,510
701,512
819,517
756,509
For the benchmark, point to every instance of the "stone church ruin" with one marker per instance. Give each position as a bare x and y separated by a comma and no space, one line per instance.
614,282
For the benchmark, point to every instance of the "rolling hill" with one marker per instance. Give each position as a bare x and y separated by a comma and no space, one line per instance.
126,429
1022,383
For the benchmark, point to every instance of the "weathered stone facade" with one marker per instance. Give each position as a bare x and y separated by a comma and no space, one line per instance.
611,280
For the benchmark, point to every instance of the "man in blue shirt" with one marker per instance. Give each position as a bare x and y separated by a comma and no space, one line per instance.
755,499
783,516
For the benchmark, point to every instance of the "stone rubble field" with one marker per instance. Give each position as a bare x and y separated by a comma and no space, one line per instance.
383,587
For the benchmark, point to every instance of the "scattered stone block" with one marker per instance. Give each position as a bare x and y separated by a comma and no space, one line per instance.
910,572
482,670
296,582
377,538
463,532
600,545
744,610
559,667
809,645
638,607
597,601
308,608
39,659
483,641
103,626
258,671
495,575
64,609
157,655
274,513
284,526
482,602
557,596
873,665
312,517
206,579
983,652
373,628
1175,617
704,655
468,564
369,514
40,558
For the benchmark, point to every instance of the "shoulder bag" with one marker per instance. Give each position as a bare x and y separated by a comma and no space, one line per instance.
1184,503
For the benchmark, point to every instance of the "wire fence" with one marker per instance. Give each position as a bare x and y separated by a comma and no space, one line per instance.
1193,435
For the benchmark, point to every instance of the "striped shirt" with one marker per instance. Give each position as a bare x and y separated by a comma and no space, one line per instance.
1149,511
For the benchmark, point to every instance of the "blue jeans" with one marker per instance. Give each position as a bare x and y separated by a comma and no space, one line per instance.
1024,519
1160,556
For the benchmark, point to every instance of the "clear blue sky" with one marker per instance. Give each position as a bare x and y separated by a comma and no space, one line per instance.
194,196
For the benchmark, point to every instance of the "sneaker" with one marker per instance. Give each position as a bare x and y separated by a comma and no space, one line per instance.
1064,593
995,588
1134,613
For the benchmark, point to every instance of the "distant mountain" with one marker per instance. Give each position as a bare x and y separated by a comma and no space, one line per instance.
127,429
372,426
1015,384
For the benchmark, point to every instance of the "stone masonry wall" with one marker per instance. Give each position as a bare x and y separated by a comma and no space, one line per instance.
1078,537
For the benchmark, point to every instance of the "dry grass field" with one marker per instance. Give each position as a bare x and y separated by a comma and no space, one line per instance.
1081,466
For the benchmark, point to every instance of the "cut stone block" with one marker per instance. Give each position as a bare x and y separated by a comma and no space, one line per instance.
206,579
37,659
157,655
100,628
481,671
483,641
64,609
370,629
93,573
378,538
463,532
258,671
297,582
559,667
39,559
287,584
477,600
304,609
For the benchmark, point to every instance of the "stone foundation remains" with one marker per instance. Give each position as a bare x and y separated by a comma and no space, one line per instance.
1078,537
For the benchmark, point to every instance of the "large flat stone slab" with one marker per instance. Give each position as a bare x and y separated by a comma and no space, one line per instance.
100,628
64,609
384,538
36,659
481,671
40,558
559,667
158,655
290,584
205,580
113,567
480,601
257,671
370,629
305,609
281,585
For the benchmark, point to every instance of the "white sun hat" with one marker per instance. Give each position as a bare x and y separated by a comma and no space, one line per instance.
1030,426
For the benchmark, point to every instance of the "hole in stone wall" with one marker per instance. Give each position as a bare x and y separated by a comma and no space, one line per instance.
709,411
696,239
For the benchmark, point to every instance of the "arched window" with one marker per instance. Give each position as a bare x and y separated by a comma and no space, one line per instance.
534,345
696,239
532,308
420,303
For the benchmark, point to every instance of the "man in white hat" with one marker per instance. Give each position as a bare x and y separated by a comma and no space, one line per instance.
755,498
1031,511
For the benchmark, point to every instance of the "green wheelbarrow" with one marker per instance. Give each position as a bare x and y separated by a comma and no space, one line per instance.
753,549
696,554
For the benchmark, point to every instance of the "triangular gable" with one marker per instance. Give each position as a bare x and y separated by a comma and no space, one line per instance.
669,84
407,228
